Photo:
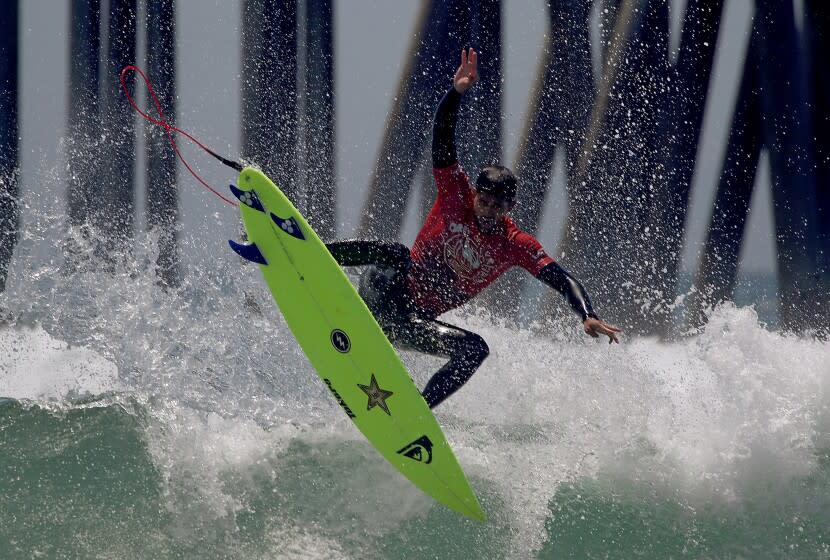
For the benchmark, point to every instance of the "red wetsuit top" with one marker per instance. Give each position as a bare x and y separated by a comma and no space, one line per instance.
452,260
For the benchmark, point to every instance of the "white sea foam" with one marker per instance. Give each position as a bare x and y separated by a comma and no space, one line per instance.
34,365
710,416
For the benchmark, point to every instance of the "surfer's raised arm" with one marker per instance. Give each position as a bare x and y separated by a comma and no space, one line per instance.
446,116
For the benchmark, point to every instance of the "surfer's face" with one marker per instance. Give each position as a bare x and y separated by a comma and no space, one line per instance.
490,210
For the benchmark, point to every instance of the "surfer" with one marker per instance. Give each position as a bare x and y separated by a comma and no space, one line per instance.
465,243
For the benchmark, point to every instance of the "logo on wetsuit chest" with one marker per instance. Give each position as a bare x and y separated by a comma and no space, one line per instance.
465,254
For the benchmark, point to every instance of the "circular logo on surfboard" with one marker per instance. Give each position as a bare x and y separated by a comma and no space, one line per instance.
340,341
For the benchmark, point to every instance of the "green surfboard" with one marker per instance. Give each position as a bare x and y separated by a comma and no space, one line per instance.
345,344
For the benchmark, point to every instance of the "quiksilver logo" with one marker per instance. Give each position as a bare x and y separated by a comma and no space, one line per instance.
419,450
339,399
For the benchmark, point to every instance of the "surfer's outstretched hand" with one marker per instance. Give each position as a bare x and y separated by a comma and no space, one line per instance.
596,327
467,73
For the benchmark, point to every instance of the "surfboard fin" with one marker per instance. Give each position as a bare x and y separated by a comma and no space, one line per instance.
248,252
248,198
289,225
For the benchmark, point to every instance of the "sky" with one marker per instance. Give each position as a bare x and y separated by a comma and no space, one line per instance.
372,38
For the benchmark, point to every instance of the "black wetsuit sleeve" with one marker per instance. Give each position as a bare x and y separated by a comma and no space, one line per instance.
443,130
560,279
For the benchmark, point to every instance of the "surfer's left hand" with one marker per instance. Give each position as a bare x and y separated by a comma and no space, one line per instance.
596,327
467,73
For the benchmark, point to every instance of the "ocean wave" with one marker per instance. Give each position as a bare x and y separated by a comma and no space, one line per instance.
145,423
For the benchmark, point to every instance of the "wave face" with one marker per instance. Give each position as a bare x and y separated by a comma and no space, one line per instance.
142,423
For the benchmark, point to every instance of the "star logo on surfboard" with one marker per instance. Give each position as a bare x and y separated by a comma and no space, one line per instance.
377,396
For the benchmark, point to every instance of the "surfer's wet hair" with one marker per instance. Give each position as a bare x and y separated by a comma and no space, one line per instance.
498,181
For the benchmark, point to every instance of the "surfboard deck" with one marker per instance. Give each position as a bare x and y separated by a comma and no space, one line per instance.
345,344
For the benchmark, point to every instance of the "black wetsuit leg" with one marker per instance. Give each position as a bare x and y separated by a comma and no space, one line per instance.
383,288
466,351
359,252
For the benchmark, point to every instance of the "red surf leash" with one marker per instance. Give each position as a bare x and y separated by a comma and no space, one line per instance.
170,130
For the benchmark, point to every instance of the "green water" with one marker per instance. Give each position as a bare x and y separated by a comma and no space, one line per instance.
598,519
79,481
144,424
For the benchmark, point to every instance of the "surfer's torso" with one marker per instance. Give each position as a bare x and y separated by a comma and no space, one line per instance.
453,260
